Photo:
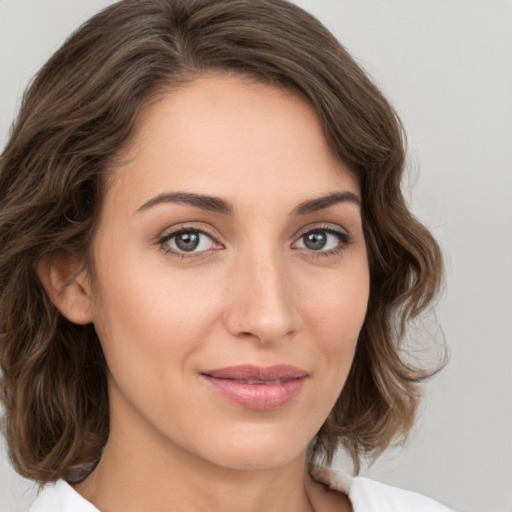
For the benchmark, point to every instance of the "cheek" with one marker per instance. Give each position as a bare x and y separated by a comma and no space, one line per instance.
335,318
339,309
147,316
150,330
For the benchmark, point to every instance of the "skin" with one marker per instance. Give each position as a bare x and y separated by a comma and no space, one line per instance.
252,292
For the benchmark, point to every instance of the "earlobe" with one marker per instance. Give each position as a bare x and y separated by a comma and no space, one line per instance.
67,286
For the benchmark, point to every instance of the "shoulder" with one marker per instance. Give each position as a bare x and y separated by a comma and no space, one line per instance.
368,495
60,497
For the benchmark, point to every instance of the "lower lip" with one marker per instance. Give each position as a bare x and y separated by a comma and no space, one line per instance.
259,397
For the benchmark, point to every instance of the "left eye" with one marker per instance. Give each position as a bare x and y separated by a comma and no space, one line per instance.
321,240
189,240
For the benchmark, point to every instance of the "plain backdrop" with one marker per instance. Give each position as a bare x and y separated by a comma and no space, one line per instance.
446,65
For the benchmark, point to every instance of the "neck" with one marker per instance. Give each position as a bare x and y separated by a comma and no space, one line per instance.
116,485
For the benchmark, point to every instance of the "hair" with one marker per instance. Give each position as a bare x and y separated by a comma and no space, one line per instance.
74,118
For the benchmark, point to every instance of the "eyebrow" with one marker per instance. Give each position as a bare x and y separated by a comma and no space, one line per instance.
319,203
205,202
218,205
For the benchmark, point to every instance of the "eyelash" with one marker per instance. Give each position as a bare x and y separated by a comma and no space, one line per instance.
344,240
162,242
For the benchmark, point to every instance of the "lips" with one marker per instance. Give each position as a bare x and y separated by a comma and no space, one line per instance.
256,387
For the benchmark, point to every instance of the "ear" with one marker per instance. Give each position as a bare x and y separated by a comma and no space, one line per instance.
67,284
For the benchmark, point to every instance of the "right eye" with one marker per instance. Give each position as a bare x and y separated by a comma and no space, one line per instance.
187,241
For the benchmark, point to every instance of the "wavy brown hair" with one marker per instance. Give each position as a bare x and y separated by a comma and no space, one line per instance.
74,118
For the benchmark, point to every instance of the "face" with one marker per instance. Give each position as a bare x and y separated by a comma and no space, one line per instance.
231,275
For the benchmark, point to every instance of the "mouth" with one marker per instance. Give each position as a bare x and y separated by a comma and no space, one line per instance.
255,387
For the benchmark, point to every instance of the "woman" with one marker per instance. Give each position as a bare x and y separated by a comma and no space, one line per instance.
207,267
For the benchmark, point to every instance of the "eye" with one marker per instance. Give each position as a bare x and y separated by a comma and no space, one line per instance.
323,240
187,240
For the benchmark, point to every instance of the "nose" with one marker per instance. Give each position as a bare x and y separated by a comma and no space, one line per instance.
261,303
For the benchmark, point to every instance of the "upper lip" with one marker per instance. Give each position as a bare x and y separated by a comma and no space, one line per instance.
259,373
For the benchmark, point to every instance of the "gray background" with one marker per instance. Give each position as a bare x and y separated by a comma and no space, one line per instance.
447,67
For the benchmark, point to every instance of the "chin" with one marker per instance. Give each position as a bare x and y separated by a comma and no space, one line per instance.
258,450
262,461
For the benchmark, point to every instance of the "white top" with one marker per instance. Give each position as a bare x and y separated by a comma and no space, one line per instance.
365,495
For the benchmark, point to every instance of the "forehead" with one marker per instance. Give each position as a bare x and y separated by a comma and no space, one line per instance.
226,136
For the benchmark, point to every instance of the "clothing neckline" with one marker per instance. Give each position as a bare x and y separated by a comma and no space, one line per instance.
335,480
